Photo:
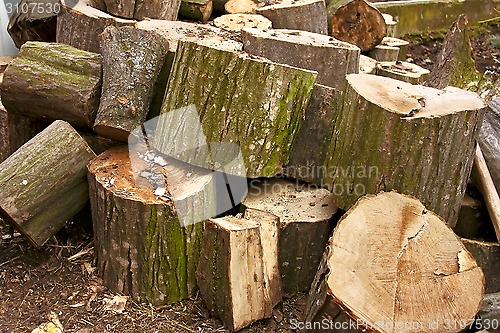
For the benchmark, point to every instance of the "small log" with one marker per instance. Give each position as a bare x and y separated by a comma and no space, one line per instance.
198,10
399,43
367,65
242,6
81,25
332,59
442,126
271,114
142,9
391,25
356,22
236,22
405,271
307,15
144,247
403,71
232,272
473,220
489,139
487,255
33,20
48,171
384,53
51,81
305,213
132,61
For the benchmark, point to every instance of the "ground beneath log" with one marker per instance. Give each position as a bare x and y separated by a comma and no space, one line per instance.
60,277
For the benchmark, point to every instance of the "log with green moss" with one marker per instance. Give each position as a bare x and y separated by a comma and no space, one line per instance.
43,183
394,135
240,99
132,61
147,227
142,9
197,10
80,25
50,81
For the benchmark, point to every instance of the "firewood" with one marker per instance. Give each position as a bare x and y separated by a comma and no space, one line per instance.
371,153
145,246
367,65
242,6
237,22
98,4
305,213
141,9
356,22
488,138
384,53
33,21
47,171
399,43
307,15
391,25
487,255
132,61
198,10
232,274
80,25
50,81
392,265
403,71
271,114
332,59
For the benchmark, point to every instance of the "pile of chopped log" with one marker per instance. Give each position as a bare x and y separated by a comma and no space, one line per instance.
220,158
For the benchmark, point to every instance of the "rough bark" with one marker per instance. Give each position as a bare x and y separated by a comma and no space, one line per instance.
47,172
403,71
141,9
490,312
487,255
232,272
404,267
33,21
271,114
197,10
307,15
236,22
367,65
51,81
305,213
80,26
132,61
394,135
332,59
144,246
356,22
489,140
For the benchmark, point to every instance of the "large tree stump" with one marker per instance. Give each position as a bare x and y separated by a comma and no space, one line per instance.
144,246
403,71
356,22
52,81
132,61
141,9
33,20
216,83
43,183
332,59
233,273
403,271
80,26
305,213
237,22
394,135
307,15
487,255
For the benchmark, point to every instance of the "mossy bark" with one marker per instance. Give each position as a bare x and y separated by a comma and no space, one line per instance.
132,61
198,10
239,99
43,183
81,25
412,139
50,81
141,9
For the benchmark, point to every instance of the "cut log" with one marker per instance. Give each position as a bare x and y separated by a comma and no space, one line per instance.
391,25
198,10
356,22
33,20
232,273
399,43
473,220
143,246
141,9
80,26
306,221
272,114
384,53
412,130
51,81
236,22
242,6
489,139
403,271
403,71
487,255
132,61
332,59
48,171
367,65
307,15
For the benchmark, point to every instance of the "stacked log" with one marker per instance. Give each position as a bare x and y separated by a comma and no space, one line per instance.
141,9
